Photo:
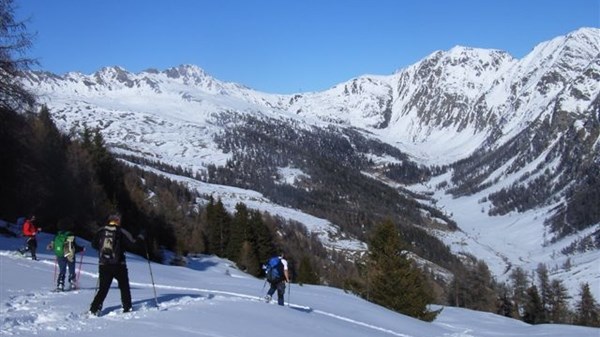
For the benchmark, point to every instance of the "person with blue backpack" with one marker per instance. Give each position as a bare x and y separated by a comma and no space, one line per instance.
276,272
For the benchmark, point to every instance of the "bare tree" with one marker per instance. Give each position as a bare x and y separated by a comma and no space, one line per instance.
14,43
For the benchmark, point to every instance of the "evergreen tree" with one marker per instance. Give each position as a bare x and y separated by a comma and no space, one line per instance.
88,200
392,280
544,291
13,193
264,238
218,224
50,155
558,305
306,272
504,305
482,288
240,231
473,288
247,259
587,310
534,309
106,167
518,278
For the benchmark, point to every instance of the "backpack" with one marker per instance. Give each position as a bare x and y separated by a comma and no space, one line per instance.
274,270
63,244
109,245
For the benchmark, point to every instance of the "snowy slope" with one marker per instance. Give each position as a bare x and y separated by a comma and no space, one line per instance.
514,240
211,297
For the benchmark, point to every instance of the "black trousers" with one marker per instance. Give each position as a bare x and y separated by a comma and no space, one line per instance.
31,246
280,287
106,275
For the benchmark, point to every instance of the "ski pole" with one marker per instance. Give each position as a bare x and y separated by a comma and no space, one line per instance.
79,270
261,296
54,276
151,275
289,293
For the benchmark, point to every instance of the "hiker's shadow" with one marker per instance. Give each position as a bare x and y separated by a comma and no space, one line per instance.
162,299
200,263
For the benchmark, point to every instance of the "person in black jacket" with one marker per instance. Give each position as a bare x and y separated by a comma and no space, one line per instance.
111,242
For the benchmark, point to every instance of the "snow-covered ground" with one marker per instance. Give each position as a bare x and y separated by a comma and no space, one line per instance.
210,297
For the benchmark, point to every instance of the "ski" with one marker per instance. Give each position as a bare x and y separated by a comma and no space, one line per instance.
108,312
66,290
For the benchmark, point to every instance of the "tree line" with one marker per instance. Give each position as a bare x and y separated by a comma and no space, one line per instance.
538,299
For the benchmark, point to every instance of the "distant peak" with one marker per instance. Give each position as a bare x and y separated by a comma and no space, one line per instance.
112,69
186,71
462,55
191,68
585,40
460,49
151,71
586,34
471,51
585,31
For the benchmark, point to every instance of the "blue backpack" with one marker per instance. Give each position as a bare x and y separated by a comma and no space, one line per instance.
274,270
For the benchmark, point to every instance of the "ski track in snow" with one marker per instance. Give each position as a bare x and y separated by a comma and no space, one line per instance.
35,311
291,305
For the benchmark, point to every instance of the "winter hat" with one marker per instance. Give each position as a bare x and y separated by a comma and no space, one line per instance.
114,219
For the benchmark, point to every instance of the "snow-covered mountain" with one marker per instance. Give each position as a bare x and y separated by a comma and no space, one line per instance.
519,140
210,297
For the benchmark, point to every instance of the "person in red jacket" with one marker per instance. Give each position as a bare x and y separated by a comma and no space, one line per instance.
30,231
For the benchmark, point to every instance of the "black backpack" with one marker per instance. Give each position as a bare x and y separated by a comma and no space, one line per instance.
109,245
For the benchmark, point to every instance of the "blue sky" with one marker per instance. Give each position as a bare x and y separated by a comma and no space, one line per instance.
286,46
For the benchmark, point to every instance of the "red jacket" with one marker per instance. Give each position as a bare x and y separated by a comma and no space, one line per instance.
29,228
